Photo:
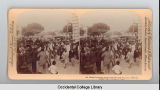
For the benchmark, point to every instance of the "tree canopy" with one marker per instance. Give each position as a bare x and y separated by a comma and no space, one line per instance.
32,29
67,28
133,28
51,33
82,31
98,29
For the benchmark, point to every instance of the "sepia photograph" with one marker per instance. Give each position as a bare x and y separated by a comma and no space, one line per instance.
47,42
110,43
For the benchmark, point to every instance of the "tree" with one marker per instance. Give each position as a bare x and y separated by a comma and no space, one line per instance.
98,29
118,33
133,28
51,33
81,31
67,28
32,29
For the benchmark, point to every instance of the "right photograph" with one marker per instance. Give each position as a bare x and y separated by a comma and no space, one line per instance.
110,43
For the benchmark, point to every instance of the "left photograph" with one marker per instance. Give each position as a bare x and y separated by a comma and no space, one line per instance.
47,42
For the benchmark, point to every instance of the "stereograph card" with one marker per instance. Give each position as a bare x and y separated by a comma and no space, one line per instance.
80,44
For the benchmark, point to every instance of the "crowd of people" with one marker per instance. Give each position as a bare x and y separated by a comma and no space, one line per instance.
100,56
39,55
96,55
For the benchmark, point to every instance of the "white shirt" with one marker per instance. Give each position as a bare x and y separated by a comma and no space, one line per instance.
51,46
117,69
133,48
115,46
52,69
68,48
130,55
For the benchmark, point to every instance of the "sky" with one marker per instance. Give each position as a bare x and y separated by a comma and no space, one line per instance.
54,20
117,20
51,20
